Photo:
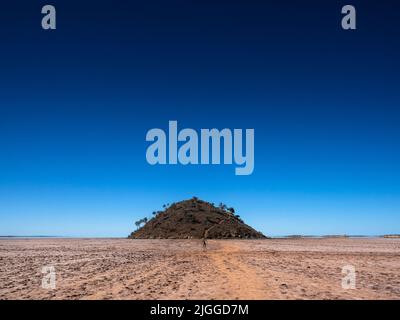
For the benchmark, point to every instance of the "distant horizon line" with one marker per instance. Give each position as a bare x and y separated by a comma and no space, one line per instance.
273,237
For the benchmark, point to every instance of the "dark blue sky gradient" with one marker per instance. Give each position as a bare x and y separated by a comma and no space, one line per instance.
76,103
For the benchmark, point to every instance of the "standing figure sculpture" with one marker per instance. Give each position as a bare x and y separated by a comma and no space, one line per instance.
205,233
204,239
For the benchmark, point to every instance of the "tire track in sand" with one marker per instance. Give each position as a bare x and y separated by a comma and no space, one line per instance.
238,279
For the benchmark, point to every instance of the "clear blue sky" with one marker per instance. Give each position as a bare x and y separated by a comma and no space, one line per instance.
76,103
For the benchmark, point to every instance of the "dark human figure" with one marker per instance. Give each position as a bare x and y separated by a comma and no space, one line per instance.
204,239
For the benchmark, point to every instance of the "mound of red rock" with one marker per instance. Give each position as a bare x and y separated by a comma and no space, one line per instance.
190,219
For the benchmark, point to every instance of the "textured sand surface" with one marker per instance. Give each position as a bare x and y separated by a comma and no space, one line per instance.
180,269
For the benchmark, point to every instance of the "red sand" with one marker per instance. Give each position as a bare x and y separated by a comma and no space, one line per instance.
180,269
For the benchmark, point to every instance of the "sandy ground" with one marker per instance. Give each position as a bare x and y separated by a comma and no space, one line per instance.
180,269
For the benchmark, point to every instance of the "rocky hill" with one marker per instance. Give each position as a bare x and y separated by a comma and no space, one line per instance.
190,218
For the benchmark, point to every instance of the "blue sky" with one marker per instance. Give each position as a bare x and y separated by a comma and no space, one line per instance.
76,103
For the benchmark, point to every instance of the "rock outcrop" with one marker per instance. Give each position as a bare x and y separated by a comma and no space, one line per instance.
190,218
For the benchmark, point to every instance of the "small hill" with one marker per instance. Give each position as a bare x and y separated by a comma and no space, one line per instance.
189,219
391,236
